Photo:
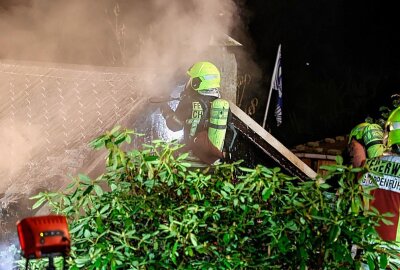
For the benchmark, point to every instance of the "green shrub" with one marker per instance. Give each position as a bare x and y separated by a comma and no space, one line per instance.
150,210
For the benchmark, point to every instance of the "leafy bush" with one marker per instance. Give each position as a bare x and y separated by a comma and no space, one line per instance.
385,112
150,210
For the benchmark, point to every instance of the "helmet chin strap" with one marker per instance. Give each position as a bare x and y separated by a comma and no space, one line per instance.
189,85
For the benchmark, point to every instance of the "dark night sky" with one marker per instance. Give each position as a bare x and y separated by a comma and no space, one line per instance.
352,48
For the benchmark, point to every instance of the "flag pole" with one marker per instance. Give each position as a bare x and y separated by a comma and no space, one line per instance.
272,83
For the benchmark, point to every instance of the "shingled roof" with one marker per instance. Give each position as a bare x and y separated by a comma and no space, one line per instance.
327,147
322,152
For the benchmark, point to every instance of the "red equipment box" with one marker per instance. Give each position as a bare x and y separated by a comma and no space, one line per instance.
44,236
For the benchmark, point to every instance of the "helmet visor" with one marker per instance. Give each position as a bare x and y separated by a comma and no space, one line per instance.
394,137
205,82
394,126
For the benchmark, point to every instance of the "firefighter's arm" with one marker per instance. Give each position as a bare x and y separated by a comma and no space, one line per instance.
357,153
172,120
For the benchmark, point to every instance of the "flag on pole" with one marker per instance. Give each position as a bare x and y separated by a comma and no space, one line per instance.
277,86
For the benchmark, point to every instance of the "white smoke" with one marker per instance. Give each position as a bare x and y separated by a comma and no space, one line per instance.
8,256
18,141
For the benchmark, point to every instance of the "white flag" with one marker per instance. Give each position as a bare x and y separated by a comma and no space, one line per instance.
276,84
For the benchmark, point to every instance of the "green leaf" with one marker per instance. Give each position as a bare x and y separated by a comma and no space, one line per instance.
39,202
86,234
339,160
82,261
150,173
325,186
149,183
302,220
77,228
186,164
163,227
183,156
99,224
37,196
151,158
331,168
190,251
193,239
371,263
120,138
173,252
291,225
388,214
98,190
128,139
298,204
105,208
357,169
334,233
266,193
85,179
113,187
355,206
115,129
224,194
247,169
98,143
387,221
283,244
226,238
235,202
383,261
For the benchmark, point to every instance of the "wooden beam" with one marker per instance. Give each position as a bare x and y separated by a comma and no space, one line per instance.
270,145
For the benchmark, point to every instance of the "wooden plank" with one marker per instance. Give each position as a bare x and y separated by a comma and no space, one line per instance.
315,156
270,145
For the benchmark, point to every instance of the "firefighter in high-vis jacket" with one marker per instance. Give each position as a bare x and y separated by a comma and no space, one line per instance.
385,171
365,141
203,114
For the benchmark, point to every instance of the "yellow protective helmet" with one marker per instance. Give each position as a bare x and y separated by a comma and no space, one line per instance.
373,140
205,78
393,127
357,132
